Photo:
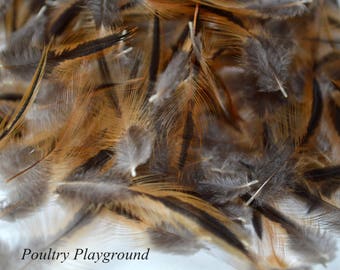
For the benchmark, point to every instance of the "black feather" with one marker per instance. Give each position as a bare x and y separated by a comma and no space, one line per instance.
323,174
315,113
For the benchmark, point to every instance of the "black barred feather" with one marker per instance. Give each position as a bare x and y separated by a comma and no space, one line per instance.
203,131
89,47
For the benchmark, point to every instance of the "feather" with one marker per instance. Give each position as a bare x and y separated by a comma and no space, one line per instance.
32,189
105,13
94,163
323,174
27,100
268,60
96,193
313,246
302,240
23,50
89,47
169,80
133,149
271,178
155,54
257,223
227,181
315,113
63,18
171,239
186,140
278,8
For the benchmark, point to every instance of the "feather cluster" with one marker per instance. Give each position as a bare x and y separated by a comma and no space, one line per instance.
198,123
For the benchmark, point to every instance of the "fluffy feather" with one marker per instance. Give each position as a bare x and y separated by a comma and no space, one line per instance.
133,149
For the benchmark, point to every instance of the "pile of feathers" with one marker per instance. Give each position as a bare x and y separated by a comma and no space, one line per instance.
189,124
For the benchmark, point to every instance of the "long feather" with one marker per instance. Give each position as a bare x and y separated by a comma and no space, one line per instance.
27,99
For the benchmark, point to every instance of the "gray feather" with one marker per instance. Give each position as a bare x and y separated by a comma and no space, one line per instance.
168,81
93,192
268,60
133,149
23,51
105,12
